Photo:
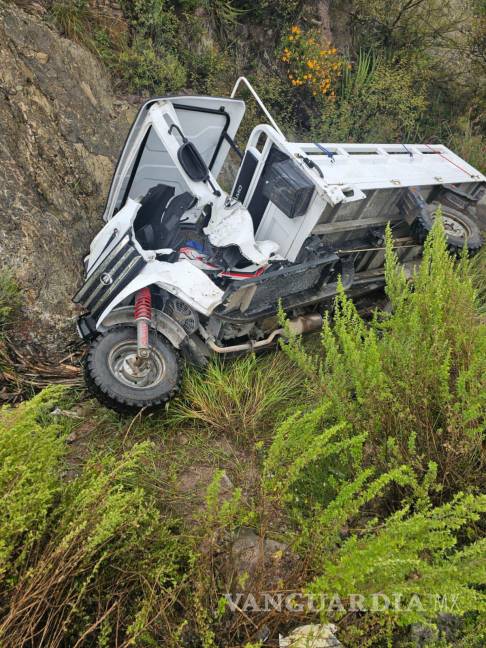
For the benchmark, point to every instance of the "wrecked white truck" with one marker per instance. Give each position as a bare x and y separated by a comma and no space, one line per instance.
183,269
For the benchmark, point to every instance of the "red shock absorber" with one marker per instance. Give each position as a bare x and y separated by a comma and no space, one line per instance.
143,316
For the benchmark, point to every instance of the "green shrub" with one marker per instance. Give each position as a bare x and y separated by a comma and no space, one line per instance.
378,101
31,449
154,20
210,66
355,547
143,68
413,381
89,559
415,558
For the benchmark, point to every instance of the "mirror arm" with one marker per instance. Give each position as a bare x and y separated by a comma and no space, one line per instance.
184,138
216,192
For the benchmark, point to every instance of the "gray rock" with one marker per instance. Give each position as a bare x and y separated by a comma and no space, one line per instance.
250,553
311,636
60,133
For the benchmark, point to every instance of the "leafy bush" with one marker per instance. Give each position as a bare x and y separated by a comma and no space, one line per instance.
85,559
413,381
154,20
311,64
31,448
413,558
373,563
377,101
354,550
145,69
209,66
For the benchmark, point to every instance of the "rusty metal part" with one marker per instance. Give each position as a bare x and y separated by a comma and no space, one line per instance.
297,326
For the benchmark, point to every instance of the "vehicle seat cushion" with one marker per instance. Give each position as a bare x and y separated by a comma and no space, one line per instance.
171,219
152,207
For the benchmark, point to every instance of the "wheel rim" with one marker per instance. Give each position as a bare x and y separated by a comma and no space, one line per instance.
455,227
124,366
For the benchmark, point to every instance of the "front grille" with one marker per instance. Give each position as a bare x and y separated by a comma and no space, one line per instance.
110,277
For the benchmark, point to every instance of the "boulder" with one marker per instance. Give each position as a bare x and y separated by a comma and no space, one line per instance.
61,129
258,561
311,636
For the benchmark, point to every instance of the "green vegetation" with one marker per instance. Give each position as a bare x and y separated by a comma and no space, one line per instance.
413,382
251,395
409,70
9,298
93,556
361,451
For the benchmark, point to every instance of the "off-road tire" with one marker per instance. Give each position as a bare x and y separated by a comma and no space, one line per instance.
103,385
425,220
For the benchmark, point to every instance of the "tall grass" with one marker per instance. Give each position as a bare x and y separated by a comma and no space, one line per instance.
74,19
10,298
239,398
355,79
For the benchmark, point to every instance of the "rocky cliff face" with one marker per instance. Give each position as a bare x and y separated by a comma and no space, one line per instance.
60,132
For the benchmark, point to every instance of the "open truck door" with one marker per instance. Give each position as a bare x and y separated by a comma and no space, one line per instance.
210,123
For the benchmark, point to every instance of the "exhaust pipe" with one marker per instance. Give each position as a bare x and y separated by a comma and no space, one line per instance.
299,325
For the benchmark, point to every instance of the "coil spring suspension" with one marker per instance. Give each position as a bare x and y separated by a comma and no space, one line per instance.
143,316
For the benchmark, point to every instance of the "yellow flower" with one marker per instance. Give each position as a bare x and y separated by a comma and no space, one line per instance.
295,29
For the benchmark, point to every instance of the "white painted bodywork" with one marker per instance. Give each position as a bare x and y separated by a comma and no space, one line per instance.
344,178
342,175
112,233
158,165
233,225
181,279
230,225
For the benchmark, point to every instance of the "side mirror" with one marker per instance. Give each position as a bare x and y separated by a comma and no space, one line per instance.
192,162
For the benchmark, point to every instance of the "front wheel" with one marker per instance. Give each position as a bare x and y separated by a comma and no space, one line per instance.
118,380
